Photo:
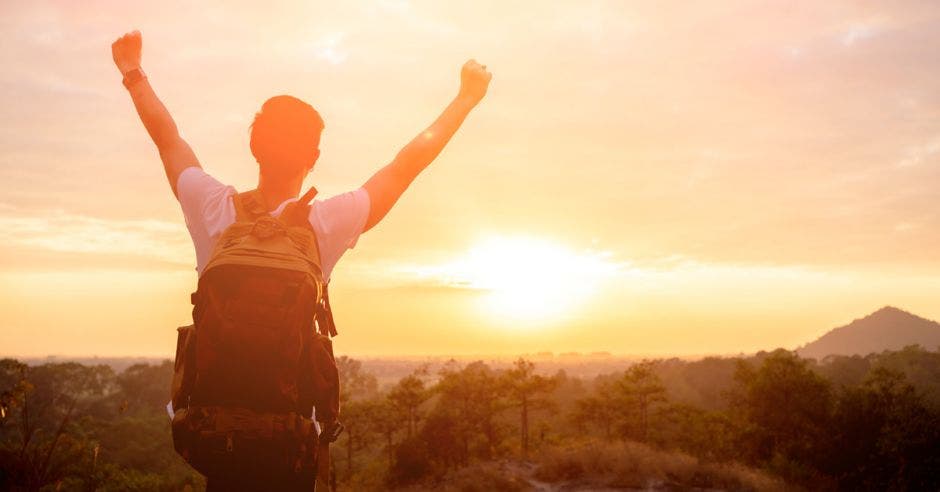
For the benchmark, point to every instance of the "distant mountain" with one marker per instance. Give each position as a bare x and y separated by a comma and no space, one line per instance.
889,328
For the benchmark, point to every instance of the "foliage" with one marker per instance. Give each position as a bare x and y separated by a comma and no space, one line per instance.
406,398
783,412
527,391
478,477
632,465
755,423
71,426
885,438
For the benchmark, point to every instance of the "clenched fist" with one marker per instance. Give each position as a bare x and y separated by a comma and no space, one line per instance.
126,51
474,80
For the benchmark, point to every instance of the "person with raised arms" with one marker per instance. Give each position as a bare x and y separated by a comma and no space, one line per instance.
255,391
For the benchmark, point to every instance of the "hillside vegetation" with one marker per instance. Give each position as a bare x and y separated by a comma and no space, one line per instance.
772,421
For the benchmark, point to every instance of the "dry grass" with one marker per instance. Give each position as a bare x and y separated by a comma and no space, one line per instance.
630,465
480,477
598,466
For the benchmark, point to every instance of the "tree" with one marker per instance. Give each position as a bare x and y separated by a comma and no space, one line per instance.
785,408
527,391
640,392
407,396
601,408
845,371
386,422
13,388
355,382
360,430
885,436
443,435
699,432
921,368
358,401
473,398
143,386
44,445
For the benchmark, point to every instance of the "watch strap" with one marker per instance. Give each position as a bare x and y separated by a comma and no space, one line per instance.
132,77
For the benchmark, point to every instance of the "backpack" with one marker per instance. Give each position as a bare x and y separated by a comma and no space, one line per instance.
253,367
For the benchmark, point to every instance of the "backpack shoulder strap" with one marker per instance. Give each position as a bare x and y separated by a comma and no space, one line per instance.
298,214
248,206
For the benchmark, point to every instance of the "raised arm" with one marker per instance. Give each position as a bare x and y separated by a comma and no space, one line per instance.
387,185
174,151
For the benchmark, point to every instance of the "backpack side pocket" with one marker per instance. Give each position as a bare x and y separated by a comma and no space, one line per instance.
184,368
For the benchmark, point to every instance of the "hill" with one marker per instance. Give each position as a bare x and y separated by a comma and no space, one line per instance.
889,328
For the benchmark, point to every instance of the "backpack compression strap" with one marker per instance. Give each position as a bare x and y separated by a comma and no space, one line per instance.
324,314
312,192
298,213
249,205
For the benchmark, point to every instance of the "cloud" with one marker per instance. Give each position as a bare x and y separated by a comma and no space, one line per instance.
861,31
613,106
329,49
918,154
63,233
902,227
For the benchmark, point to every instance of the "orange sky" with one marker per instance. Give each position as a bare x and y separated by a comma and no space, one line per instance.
707,178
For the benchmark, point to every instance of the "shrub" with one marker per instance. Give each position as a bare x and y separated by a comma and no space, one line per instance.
635,465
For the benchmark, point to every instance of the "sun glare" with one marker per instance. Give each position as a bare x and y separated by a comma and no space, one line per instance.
529,279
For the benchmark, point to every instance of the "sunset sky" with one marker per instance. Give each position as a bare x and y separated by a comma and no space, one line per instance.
643,178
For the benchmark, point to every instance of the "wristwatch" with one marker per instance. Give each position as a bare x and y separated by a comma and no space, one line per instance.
132,77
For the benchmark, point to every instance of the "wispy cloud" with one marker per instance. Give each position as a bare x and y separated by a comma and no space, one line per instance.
859,31
918,154
330,49
58,231
726,154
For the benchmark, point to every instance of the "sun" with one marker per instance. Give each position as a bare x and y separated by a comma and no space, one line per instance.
529,279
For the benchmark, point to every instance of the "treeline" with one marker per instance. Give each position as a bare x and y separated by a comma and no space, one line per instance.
67,426
845,423
849,423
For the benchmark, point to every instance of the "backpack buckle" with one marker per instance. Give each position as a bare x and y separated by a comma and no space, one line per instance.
331,432
267,227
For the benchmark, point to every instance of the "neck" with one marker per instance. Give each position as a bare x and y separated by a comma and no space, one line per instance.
275,191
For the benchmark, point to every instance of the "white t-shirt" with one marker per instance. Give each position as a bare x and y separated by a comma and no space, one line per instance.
208,209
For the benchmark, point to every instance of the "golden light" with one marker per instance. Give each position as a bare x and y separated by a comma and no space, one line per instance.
528,279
